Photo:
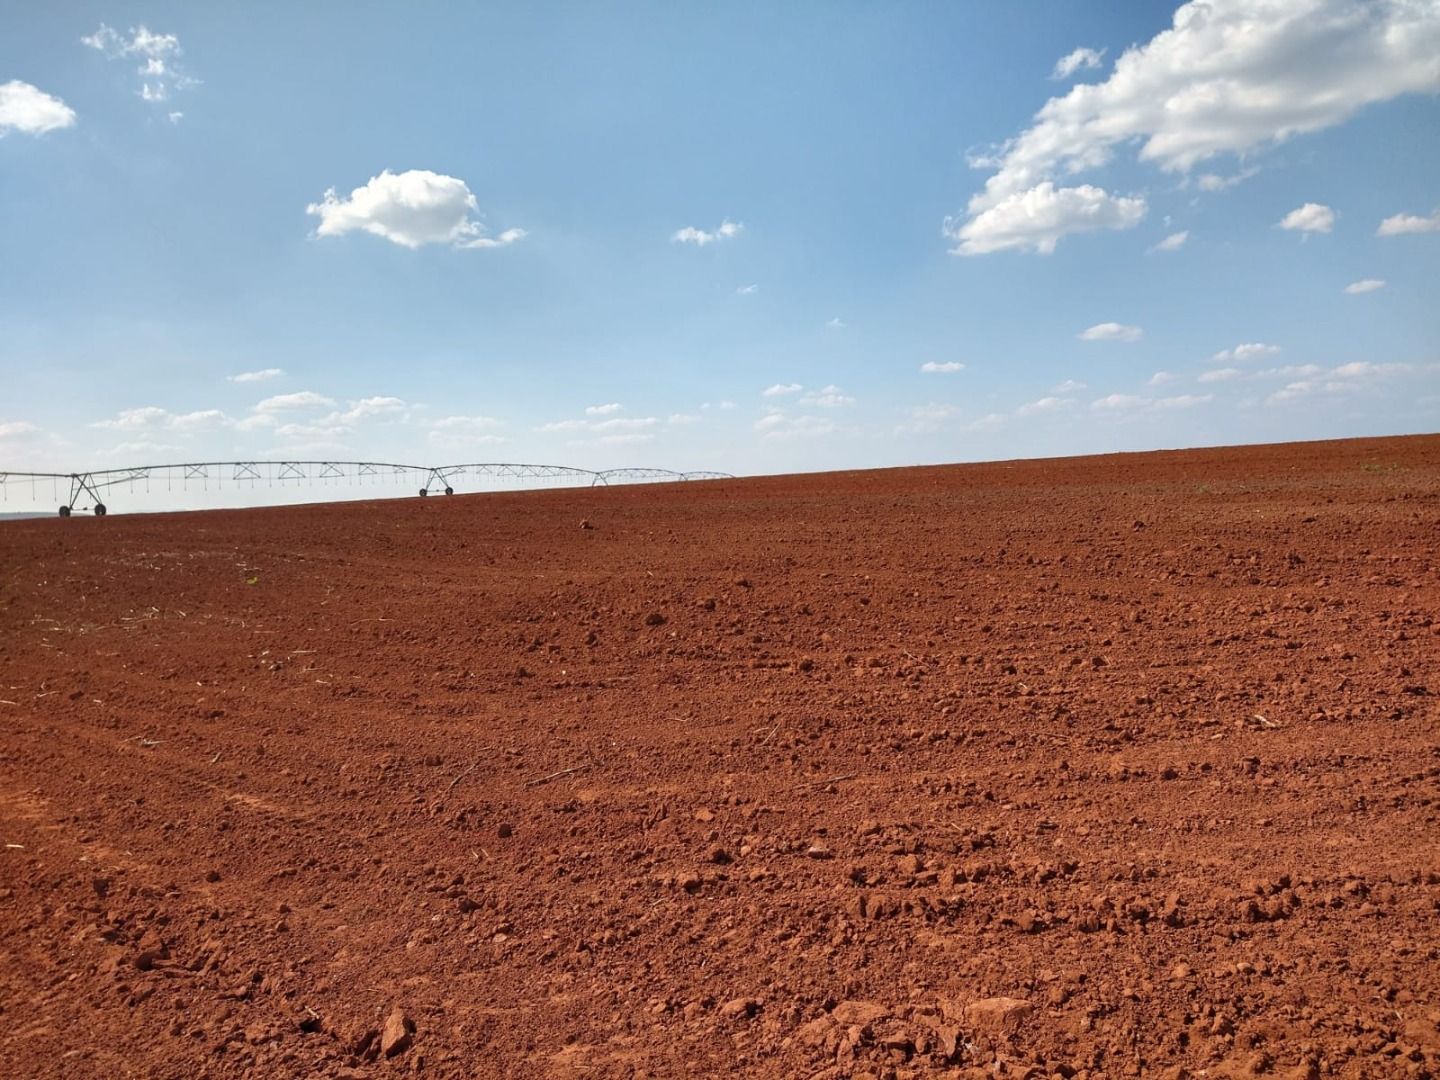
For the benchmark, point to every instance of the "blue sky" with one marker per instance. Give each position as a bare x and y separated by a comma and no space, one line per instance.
943,244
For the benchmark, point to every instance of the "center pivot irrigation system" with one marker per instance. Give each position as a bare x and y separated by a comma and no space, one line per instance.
432,478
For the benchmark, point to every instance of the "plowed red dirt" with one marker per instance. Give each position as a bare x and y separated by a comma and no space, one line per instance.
1102,767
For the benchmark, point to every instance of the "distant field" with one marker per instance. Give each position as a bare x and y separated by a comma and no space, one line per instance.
1094,767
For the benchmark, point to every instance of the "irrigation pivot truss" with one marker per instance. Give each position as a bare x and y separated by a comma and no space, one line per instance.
430,478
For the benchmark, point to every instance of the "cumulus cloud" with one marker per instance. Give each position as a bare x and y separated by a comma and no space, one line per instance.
1173,242
944,367
726,230
1368,285
14,429
1228,77
828,397
154,418
780,426
608,409
1110,331
1310,218
158,55
1241,353
1082,58
1220,375
781,389
263,375
1343,379
366,409
302,399
1069,386
1134,403
1037,218
1400,224
31,111
1044,405
412,209
1160,378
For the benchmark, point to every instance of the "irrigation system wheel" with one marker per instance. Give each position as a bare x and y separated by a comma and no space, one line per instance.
64,511
99,509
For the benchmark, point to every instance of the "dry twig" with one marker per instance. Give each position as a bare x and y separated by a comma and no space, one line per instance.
556,775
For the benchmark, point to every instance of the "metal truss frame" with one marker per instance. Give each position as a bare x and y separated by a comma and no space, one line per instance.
431,478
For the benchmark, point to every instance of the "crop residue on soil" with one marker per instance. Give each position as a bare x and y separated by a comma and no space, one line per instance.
1102,767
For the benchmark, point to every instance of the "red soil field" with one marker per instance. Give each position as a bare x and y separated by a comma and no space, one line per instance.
1122,766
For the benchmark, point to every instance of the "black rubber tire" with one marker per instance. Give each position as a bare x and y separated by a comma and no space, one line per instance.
424,491
449,491
99,509
64,511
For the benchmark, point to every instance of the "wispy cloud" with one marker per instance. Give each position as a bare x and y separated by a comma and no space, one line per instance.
1110,331
1401,224
1080,59
159,71
1241,353
726,230
1369,285
1174,242
608,409
941,367
263,375
781,389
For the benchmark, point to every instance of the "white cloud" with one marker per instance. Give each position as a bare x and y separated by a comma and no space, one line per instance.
726,230
1344,379
1036,219
1069,386
256,422
1290,371
1118,402
608,409
154,418
563,425
988,422
836,323
935,411
747,290
1368,285
1312,217
681,419
828,397
321,431
1070,63
31,111
1109,331
303,399
159,69
412,208
781,389
134,419
263,375
1215,182
1160,378
365,409
1134,403
627,423
1400,224
1044,405
464,423
1220,375
946,367
779,426
1173,242
1228,76
1182,401
13,429
1241,353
